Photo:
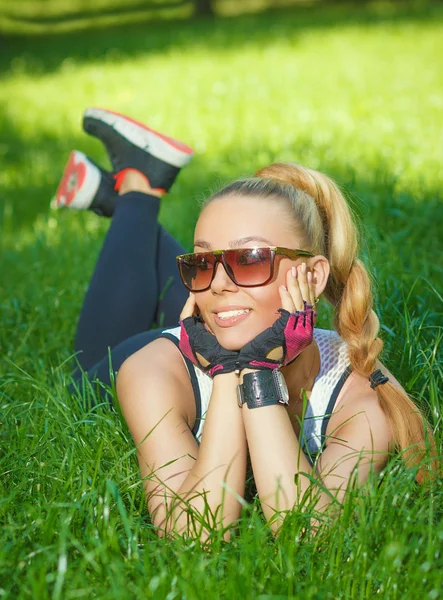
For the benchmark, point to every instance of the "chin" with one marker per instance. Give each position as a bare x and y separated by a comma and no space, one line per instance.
234,340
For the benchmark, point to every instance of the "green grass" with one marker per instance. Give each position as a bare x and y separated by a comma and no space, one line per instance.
355,92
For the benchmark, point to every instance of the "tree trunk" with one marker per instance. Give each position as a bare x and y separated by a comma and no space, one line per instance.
204,8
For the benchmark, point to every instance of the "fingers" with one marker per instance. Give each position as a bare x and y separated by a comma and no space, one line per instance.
286,299
303,282
189,307
311,289
299,288
293,284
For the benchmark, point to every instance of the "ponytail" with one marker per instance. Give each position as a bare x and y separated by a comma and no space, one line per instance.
325,226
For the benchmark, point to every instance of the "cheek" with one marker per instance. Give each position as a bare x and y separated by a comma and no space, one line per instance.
267,298
267,304
203,309
201,302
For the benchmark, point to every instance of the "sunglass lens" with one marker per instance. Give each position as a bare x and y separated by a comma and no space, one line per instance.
196,270
249,266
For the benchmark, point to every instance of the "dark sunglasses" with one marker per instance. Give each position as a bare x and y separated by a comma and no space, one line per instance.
246,267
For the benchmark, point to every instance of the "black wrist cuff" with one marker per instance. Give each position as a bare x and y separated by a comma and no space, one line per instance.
263,388
258,402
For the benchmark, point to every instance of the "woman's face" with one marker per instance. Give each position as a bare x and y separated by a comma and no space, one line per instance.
243,222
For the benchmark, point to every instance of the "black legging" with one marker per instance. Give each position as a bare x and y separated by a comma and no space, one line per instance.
135,285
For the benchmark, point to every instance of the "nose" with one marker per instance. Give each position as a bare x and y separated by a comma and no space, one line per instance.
222,281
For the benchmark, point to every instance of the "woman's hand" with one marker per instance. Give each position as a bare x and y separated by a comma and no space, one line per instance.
283,342
201,346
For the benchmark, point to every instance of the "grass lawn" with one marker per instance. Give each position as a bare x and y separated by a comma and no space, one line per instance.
355,92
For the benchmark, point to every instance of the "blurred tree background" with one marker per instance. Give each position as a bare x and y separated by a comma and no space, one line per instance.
37,16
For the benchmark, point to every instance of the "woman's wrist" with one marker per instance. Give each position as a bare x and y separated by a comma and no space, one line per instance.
232,378
225,388
226,378
244,372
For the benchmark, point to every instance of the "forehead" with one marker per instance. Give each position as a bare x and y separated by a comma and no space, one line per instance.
231,218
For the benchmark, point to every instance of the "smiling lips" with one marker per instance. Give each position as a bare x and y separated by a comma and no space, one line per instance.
231,315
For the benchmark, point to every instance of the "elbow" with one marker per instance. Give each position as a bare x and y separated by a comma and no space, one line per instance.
189,522
126,384
124,376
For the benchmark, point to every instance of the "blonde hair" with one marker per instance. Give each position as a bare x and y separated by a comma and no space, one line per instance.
325,226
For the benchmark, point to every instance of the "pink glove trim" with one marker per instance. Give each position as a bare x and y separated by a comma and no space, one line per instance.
215,369
185,345
264,365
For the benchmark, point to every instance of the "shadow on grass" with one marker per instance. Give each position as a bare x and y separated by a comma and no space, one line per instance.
93,16
375,200
26,198
46,52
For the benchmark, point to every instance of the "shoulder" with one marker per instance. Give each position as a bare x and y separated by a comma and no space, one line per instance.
156,369
356,386
161,352
358,411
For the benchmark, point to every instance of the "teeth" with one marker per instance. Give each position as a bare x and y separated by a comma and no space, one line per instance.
232,313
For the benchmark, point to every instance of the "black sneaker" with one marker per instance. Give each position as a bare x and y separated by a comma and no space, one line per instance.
132,145
85,186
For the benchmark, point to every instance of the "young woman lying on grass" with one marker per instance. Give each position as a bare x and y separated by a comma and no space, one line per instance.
240,331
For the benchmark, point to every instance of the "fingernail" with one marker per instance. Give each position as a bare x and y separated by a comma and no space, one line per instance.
284,288
294,272
303,268
309,276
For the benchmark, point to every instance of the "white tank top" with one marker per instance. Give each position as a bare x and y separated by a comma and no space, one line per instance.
334,370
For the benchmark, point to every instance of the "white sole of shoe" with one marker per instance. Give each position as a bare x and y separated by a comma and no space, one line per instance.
79,183
162,147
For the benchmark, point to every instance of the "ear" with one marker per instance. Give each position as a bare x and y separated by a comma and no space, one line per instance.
320,268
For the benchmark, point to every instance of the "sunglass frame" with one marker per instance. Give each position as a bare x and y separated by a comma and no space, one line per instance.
219,257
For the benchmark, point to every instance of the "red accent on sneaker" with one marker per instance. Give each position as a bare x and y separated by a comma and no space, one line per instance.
176,143
121,175
72,180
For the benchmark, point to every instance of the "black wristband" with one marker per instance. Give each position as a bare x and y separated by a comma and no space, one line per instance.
263,388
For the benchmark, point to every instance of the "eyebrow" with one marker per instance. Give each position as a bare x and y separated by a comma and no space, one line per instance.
236,243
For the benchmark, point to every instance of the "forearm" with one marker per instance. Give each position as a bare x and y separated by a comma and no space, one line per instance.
218,475
276,458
